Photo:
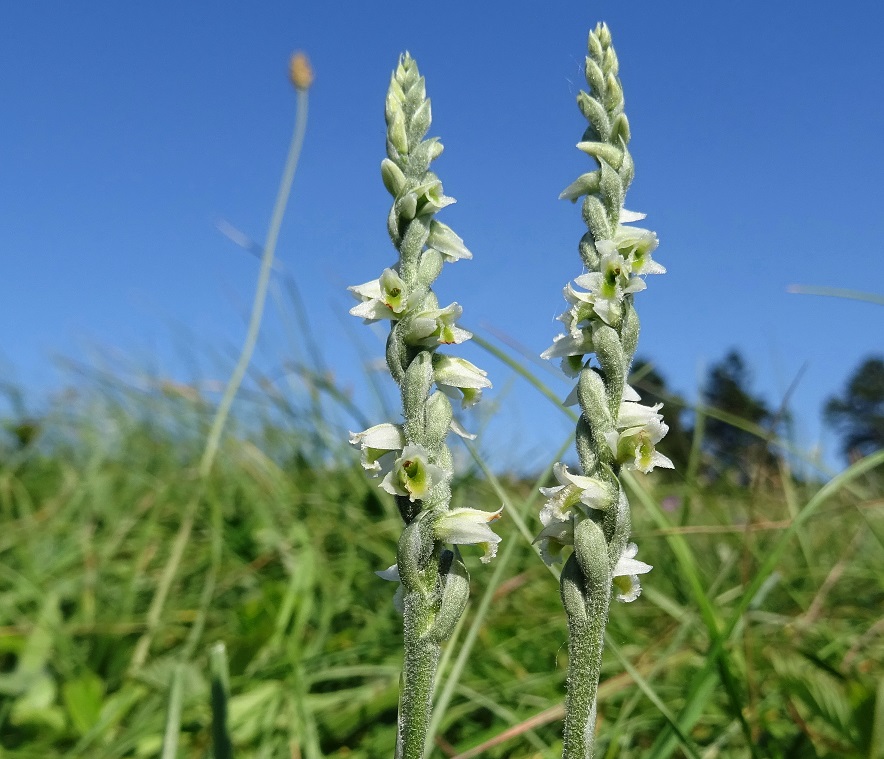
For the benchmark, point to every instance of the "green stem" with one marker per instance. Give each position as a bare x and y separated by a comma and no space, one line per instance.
214,438
418,675
586,595
245,356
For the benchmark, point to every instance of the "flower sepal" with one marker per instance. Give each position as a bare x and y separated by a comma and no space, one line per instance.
625,574
455,375
465,526
376,442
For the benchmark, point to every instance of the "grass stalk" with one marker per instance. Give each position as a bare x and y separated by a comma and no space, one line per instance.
213,440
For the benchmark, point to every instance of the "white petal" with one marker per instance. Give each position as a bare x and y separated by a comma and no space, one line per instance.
458,372
367,290
650,267
551,492
447,242
636,285
626,567
562,531
391,573
612,439
569,345
627,564
465,526
372,310
605,309
630,394
607,248
629,216
657,460
391,485
590,281
458,429
633,414
581,481
632,590
386,436
460,335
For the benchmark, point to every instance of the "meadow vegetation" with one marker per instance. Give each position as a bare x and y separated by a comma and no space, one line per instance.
759,632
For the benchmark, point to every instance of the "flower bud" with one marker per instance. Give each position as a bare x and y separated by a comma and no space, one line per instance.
300,72
394,179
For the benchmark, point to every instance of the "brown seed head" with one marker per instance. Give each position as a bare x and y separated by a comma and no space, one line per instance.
300,72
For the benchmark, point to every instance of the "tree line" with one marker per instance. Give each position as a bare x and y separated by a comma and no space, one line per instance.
739,423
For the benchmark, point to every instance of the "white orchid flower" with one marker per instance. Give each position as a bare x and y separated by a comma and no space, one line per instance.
554,537
610,284
437,327
571,348
634,414
467,526
639,429
430,197
572,489
412,474
447,242
382,298
581,313
376,442
569,344
459,378
626,572
636,246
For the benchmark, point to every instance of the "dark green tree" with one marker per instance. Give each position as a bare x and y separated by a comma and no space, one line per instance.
858,414
728,389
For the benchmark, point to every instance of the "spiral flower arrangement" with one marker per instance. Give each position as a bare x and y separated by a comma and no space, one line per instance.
590,511
412,457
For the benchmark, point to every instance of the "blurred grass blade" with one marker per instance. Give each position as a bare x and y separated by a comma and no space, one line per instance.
221,744
248,347
173,715
523,372
837,292
876,750
688,564
773,556
704,681
686,744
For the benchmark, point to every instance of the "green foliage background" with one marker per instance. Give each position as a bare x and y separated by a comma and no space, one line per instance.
278,565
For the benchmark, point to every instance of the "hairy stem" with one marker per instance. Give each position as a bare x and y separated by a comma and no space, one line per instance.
586,595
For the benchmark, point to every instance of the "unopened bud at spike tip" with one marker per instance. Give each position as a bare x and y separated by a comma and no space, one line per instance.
300,71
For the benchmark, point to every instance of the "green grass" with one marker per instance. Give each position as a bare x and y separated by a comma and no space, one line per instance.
758,634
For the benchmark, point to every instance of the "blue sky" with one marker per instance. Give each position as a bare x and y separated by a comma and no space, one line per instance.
130,129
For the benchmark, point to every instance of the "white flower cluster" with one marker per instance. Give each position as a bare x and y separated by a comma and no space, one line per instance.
597,304
402,295
572,499
622,261
462,526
